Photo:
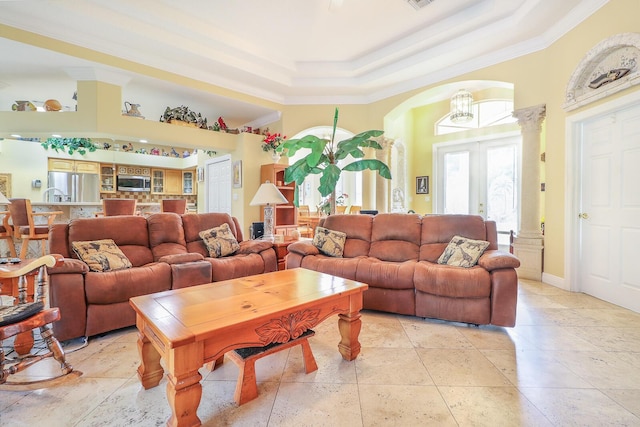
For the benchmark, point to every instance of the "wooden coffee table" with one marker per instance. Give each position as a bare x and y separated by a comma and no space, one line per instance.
193,326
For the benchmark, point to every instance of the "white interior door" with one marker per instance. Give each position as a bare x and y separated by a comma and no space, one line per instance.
218,179
610,208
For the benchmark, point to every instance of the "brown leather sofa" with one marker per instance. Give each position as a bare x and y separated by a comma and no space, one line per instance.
165,251
397,254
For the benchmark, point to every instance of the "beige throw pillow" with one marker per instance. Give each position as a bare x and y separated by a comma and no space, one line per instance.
463,252
329,242
101,255
220,241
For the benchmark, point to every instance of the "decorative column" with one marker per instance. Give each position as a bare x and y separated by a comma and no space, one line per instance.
529,242
382,184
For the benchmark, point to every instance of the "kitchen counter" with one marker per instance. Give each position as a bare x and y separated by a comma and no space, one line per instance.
73,210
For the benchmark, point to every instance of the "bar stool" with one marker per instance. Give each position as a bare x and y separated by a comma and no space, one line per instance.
25,227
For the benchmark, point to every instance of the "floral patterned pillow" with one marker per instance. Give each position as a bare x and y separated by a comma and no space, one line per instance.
329,242
462,252
220,241
101,255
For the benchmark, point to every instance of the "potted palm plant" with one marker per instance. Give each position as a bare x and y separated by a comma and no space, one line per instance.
324,157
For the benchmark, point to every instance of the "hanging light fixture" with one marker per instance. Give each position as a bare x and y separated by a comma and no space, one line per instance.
461,106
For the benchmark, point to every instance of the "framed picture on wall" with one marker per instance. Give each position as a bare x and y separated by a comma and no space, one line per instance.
237,174
422,185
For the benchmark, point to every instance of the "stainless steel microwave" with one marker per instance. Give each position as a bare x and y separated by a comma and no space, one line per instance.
134,183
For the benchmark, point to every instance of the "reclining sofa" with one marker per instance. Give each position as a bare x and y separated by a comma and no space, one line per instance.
397,256
165,251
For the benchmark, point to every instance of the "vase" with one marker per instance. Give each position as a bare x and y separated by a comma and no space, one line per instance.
275,156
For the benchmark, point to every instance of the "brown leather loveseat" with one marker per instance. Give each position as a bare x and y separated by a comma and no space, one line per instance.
397,256
165,251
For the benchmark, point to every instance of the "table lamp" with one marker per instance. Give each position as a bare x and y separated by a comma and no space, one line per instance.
268,195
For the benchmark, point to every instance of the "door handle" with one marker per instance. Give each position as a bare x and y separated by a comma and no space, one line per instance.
583,215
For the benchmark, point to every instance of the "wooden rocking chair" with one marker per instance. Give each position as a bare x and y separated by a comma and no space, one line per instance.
21,319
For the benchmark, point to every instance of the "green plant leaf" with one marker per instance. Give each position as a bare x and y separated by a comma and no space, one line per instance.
329,179
371,164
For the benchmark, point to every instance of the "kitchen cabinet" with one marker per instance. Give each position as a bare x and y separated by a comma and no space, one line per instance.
172,181
107,178
133,170
285,216
188,182
157,181
79,166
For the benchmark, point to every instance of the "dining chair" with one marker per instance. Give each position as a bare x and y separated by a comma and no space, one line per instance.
353,209
115,207
6,232
18,321
304,223
341,209
23,221
178,206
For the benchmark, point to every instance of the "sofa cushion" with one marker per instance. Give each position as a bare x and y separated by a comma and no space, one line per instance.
358,230
220,241
329,242
130,233
395,237
118,286
166,235
194,224
438,230
462,252
452,282
101,255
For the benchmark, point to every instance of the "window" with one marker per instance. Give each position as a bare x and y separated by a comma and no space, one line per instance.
490,112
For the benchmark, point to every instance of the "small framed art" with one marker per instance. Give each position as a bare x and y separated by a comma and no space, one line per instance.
237,174
422,185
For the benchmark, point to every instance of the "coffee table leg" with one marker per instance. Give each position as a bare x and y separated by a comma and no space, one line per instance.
184,389
150,371
349,326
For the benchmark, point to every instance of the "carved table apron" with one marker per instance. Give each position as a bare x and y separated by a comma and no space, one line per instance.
190,327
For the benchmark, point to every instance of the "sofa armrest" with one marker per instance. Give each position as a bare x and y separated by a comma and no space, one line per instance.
254,246
70,266
494,259
303,248
181,258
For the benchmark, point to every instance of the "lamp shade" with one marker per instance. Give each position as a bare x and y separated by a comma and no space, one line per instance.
268,194
4,200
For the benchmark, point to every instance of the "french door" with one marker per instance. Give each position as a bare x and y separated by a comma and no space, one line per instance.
481,178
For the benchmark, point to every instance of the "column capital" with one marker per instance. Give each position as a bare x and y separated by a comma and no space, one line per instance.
530,118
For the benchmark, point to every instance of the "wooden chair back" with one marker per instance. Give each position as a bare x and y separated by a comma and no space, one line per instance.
178,206
115,207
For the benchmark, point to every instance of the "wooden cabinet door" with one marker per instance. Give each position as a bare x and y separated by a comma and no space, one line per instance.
60,165
107,179
172,181
157,181
87,167
188,182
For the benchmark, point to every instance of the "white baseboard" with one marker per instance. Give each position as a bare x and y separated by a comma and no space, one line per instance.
552,280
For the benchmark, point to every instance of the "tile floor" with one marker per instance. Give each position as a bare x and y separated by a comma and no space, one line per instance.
571,360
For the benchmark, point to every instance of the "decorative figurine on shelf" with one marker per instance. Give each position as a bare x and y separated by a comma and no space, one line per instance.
174,153
155,151
127,147
106,146
52,105
132,110
222,124
185,154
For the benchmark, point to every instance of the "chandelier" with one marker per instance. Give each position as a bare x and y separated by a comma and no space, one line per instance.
461,106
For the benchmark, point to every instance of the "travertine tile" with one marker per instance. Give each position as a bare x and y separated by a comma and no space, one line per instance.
455,367
491,406
317,404
372,367
431,334
397,405
579,407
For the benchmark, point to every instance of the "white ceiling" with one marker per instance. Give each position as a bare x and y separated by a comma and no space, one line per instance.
286,51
